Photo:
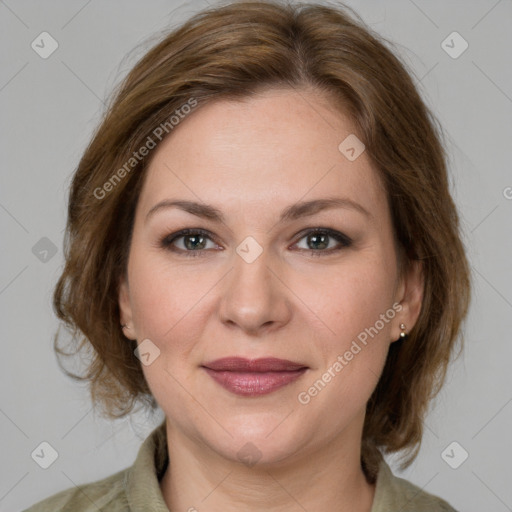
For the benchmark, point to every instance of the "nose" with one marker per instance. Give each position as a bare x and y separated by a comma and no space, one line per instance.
254,297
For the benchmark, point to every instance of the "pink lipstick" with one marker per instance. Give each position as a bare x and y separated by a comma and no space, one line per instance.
253,377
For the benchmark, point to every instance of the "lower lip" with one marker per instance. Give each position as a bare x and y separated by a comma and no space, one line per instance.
254,383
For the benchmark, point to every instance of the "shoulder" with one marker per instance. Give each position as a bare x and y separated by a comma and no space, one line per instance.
394,493
131,488
92,497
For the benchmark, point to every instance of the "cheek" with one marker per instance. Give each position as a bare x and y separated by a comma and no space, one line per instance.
357,306
166,302
166,307
355,296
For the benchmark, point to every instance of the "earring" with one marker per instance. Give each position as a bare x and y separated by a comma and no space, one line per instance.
403,334
124,325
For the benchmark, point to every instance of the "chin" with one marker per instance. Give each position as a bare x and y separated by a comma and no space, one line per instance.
263,440
259,453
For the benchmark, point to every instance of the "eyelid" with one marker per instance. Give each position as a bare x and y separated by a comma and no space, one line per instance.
334,233
167,241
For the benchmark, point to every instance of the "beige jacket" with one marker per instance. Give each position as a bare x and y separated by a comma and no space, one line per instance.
136,488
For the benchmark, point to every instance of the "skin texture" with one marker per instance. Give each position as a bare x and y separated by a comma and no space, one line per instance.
251,160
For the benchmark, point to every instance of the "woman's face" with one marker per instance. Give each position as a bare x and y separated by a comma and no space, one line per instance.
282,275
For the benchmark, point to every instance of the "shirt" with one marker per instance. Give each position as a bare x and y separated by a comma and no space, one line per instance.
136,488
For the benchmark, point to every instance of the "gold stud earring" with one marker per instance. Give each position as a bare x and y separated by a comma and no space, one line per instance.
403,334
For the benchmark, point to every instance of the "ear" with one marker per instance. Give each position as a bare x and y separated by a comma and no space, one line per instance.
125,309
410,296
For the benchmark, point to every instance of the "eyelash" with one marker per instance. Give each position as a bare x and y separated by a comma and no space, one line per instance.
343,240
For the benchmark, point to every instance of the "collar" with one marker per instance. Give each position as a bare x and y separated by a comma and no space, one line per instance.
141,481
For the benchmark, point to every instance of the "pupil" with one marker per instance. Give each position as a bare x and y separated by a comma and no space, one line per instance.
192,245
323,243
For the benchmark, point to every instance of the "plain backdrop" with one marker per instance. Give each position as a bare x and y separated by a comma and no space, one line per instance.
49,108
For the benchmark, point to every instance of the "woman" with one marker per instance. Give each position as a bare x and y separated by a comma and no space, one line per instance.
261,242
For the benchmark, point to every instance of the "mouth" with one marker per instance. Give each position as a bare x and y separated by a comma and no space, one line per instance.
253,377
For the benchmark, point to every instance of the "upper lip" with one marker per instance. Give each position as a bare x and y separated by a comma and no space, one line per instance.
265,364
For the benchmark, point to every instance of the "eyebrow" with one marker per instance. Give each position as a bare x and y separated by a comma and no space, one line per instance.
292,212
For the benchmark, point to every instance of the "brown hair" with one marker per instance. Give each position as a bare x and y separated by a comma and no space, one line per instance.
230,51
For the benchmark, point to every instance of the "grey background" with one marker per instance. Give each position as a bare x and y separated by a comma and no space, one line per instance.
49,108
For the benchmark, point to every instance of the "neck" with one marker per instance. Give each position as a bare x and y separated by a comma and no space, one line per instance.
198,478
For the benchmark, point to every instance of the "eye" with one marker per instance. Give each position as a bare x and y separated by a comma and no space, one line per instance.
319,239
192,242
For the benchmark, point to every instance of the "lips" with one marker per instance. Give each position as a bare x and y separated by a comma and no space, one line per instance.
253,377
240,364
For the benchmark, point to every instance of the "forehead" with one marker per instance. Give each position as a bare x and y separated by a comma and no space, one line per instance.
277,146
